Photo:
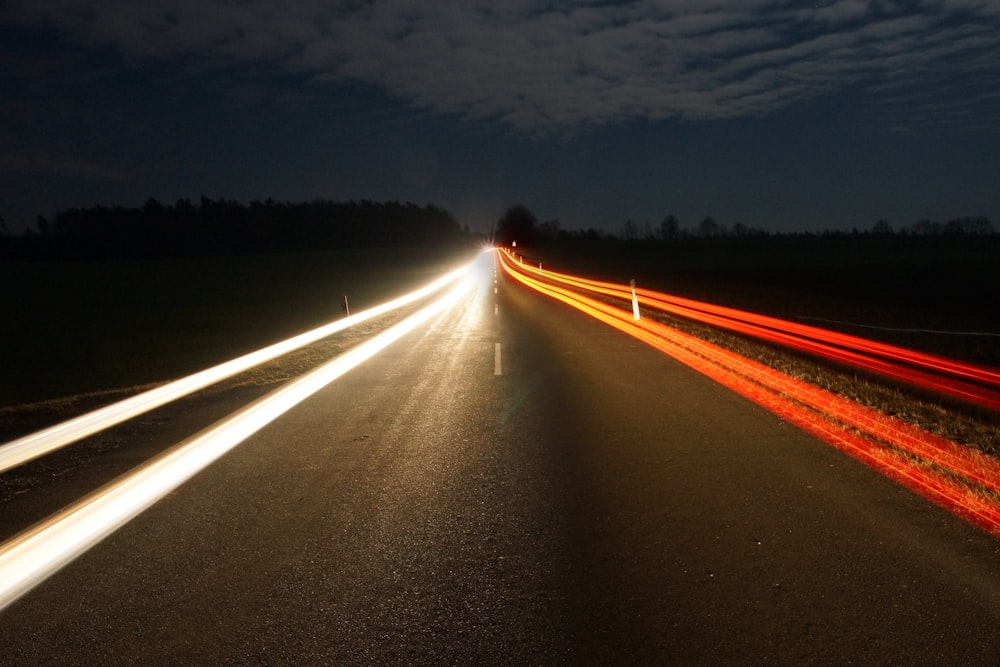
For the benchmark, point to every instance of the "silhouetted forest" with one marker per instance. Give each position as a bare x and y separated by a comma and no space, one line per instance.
218,227
229,227
518,224
709,228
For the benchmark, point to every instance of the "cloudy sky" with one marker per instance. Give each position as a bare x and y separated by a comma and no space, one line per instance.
779,114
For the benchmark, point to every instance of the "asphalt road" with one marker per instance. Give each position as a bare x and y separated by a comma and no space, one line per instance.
594,503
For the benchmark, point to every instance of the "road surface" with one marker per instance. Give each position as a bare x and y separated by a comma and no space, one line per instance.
575,498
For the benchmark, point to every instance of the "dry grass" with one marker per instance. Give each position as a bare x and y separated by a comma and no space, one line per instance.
896,290
969,426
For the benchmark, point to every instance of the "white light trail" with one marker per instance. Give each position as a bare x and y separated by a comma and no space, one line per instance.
42,442
29,558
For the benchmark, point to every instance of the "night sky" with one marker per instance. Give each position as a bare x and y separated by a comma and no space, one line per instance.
781,115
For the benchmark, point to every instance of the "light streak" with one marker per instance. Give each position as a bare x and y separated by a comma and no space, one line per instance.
966,382
909,455
29,558
47,440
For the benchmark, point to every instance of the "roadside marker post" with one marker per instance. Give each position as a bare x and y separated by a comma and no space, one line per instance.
343,305
635,301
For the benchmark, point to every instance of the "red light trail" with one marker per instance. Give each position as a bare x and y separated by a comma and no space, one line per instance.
936,374
935,467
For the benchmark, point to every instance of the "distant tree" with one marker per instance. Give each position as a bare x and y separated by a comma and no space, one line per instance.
670,228
926,228
550,229
741,230
184,208
982,225
968,226
630,231
881,228
517,225
152,208
709,228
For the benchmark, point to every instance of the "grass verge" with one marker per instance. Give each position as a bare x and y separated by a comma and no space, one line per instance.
894,291
80,328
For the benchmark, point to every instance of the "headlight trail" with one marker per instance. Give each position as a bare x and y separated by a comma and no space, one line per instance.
47,440
939,469
940,375
29,558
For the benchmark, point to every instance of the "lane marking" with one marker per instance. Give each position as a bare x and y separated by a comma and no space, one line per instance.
497,367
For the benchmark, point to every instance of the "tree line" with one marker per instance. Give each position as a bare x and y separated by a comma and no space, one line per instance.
669,228
230,227
519,223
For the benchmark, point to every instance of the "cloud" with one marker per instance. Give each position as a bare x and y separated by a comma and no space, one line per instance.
558,66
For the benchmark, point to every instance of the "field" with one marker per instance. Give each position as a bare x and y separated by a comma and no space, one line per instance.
80,334
934,294
90,326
